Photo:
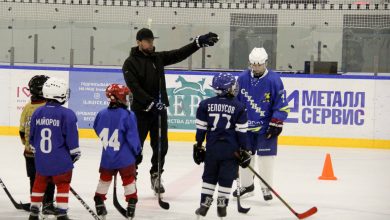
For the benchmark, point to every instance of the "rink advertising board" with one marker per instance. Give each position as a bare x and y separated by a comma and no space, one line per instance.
346,111
14,84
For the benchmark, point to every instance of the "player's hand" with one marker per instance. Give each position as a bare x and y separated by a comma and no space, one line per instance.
75,156
207,40
244,158
199,153
32,149
160,106
149,106
274,129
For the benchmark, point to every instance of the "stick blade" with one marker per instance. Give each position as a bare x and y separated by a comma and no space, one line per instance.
163,204
243,210
25,206
308,213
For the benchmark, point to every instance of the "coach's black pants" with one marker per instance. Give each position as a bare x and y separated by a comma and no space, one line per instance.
148,122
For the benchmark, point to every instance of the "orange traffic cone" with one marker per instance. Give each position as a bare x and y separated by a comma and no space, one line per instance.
327,172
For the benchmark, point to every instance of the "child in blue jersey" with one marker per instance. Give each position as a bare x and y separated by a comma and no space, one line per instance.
262,92
54,140
116,127
223,119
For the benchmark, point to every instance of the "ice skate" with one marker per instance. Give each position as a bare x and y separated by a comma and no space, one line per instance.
266,194
154,183
245,192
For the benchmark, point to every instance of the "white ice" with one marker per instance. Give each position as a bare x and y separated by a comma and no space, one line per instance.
362,190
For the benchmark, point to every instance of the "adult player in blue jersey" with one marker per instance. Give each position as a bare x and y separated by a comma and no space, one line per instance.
116,127
262,91
223,119
55,142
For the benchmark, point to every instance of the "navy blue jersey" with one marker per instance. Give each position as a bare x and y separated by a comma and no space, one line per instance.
54,135
223,122
117,129
264,98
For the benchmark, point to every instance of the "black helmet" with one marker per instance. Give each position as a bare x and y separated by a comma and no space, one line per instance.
35,85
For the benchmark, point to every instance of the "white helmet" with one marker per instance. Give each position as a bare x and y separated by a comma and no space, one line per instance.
258,56
56,89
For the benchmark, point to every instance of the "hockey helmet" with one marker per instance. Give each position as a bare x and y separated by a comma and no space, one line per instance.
224,83
56,89
258,56
119,94
35,85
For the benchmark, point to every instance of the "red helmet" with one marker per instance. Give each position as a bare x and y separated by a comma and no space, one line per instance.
117,93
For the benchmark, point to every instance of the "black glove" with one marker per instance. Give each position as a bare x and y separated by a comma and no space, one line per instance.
159,106
139,158
206,40
274,129
199,153
75,156
155,106
244,158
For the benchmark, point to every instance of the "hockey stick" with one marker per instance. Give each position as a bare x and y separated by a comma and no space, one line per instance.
20,205
116,202
239,207
162,204
94,215
306,214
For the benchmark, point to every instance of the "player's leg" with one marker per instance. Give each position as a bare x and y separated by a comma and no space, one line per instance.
62,183
38,191
266,170
164,149
30,168
246,176
48,200
130,190
210,179
227,174
102,190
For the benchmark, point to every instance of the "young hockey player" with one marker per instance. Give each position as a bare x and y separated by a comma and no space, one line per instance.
223,119
262,91
54,140
116,126
35,87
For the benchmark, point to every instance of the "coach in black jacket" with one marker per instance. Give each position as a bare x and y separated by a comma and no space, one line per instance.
144,74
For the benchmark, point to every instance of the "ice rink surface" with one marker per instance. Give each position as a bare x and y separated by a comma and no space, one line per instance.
362,190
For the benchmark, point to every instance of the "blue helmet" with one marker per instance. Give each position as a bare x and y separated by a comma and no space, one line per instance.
224,83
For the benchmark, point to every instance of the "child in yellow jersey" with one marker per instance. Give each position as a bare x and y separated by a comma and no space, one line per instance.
35,86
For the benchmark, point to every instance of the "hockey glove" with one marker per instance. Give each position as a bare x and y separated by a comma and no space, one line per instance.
32,149
75,155
206,40
274,129
199,154
139,158
160,106
155,106
149,107
244,158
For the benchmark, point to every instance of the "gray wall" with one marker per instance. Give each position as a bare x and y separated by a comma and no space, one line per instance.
295,36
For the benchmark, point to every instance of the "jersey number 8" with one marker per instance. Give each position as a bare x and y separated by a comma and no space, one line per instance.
45,137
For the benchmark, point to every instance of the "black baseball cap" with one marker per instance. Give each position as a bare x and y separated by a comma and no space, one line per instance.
144,33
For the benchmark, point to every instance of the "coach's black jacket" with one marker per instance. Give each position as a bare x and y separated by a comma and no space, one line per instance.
141,73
